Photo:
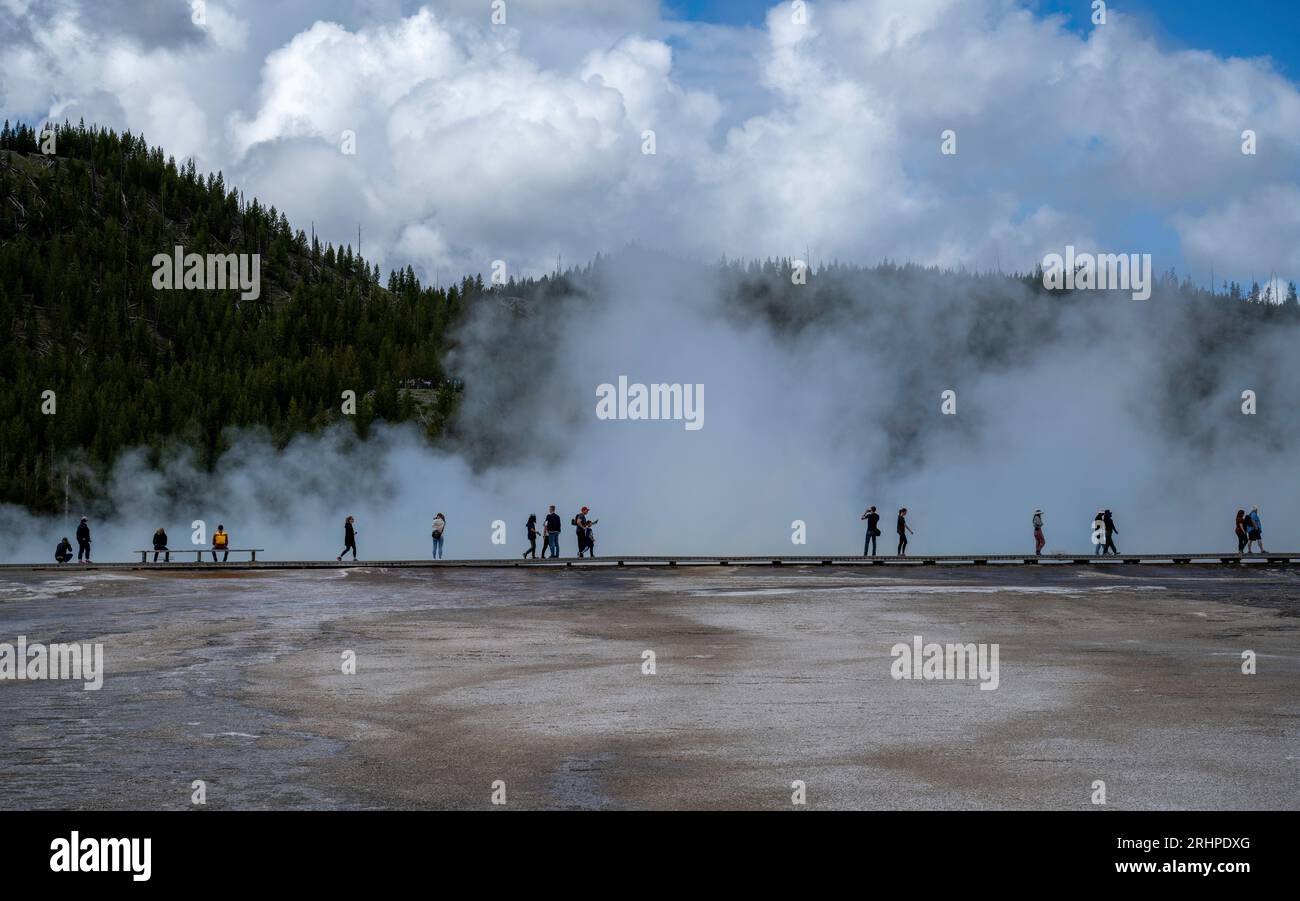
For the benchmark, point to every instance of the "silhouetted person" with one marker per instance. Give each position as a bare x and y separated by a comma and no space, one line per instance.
83,541
1039,540
1111,531
160,545
873,532
903,529
579,524
63,551
349,540
531,528
552,528
1243,535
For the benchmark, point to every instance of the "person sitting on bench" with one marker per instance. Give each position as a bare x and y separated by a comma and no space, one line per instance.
220,542
160,545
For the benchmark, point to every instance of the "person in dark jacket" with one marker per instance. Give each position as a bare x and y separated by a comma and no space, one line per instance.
83,541
579,523
590,534
903,529
551,530
1243,536
1112,530
349,540
160,545
873,532
531,528
63,551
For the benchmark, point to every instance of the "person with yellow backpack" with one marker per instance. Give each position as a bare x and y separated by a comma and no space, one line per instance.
220,542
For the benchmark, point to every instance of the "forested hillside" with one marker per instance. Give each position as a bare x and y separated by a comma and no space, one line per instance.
132,366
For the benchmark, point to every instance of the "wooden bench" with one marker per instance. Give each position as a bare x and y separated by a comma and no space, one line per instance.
201,551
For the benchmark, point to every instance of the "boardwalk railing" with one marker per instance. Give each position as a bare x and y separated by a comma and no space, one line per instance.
201,551
1277,558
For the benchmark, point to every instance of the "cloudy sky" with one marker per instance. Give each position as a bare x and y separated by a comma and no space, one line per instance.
775,129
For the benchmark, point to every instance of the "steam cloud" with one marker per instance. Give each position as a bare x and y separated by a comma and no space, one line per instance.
820,400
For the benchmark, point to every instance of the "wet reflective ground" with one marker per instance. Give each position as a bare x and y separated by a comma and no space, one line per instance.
762,677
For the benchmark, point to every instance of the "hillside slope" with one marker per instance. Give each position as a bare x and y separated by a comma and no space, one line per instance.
134,366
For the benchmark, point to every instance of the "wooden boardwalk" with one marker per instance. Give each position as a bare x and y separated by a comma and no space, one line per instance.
1272,558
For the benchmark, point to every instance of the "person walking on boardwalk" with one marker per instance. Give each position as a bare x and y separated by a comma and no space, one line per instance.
1243,536
1099,533
349,540
903,529
590,533
160,545
221,542
439,526
551,531
873,532
579,523
1039,540
1111,531
531,528
83,541
63,552
1256,528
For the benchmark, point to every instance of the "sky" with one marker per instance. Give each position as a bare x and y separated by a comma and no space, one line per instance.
1244,28
778,130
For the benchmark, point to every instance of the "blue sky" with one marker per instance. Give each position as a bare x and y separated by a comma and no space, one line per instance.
1233,28
1236,28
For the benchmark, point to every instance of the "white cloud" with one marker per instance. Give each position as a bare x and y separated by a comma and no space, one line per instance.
521,142
328,79
1259,233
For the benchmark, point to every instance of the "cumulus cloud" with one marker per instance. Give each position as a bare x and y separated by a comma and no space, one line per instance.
523,141
1259,231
